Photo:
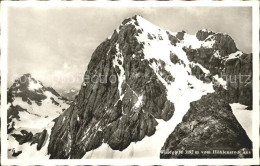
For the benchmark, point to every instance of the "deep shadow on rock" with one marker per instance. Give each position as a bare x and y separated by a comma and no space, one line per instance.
209,125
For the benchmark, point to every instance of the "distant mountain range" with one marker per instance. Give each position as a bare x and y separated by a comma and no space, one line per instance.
32,107
69,94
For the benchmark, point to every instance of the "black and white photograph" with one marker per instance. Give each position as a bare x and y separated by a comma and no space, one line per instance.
139,81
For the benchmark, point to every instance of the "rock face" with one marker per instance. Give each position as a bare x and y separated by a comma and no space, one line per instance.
209,125
28,137
117,110
203,34
29,89
135,79
238,73
225,61
32,107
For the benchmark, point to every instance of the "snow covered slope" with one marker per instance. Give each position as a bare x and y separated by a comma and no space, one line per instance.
244,117
31,109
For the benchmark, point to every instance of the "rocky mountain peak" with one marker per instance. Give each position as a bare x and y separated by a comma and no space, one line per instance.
26,82
131,19
146,77
221,41
27,75
31,109
30,89
203,34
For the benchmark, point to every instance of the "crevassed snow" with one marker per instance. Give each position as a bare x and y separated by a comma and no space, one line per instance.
243,116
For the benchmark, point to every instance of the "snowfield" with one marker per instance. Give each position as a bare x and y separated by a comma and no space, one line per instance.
240,113
37,115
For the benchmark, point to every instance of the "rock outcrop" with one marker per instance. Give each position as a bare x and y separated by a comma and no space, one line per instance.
208,126
28,137
224,60
31,108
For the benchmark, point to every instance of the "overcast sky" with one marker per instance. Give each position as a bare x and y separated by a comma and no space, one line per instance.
54,42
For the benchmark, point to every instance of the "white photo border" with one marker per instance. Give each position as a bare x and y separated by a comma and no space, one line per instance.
255,37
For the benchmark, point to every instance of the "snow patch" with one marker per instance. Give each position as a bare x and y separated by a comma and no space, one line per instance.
208,43
121,75
34,85
216,54
206,71
221,81
35,115
192,41
139,102
147,26
235,55
244,117
205,30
